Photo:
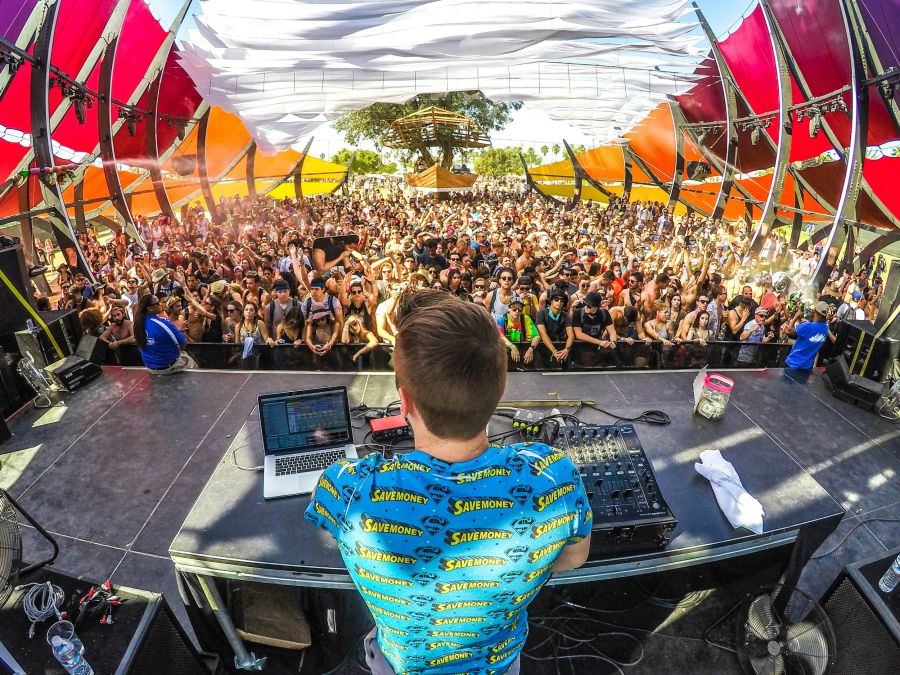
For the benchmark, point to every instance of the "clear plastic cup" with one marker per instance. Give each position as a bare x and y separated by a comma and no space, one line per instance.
66,631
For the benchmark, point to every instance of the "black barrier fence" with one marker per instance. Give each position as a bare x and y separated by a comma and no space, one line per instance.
582,357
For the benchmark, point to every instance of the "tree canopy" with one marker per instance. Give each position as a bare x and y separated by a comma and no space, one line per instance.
504,161
364,161
371,123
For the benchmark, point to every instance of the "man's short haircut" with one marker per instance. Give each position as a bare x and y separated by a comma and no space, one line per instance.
451,361
630,314
662,278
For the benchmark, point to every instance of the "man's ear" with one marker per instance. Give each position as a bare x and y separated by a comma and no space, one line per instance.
406,404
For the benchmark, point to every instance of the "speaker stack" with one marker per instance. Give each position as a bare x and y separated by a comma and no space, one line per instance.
876,358
14,314
866,621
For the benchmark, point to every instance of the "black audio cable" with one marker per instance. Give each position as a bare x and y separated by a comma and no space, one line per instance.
657,417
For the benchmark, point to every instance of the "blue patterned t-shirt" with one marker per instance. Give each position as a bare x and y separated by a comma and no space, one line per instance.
448,556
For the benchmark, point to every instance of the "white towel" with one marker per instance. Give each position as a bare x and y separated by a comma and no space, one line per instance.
738,505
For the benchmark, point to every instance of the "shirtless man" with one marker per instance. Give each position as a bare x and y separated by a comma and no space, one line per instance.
628,324
120,330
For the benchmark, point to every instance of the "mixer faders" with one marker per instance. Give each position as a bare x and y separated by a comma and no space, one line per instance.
629,510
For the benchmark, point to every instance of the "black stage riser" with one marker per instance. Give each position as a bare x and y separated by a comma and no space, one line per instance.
14,314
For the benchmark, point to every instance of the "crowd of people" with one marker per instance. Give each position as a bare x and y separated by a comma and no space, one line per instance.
329,270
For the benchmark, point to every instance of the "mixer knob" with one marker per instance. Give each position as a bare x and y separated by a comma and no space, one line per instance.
614,494
571,433
594,433
627,493
606,432
598,483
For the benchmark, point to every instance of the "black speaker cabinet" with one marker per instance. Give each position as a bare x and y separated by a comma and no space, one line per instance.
93,349
865,620
890,299
14,314
854,389
66,331
160,645
885,351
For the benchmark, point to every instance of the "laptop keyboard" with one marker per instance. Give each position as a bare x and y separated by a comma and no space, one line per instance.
286,466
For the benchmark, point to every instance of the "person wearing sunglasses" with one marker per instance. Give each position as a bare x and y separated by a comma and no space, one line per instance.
497,301
554,325
158,340
516,326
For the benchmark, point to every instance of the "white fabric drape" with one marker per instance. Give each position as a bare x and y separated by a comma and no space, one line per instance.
287,66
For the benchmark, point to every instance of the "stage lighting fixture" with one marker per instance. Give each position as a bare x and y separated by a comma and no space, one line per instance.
132,126
11,61
754,135
81,102
815,124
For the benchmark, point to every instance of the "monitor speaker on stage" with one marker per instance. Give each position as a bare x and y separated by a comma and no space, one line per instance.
93,349
861,634
14,313
64,327
877,359
890,300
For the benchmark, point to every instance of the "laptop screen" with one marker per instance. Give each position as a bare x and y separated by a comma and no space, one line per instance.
305,420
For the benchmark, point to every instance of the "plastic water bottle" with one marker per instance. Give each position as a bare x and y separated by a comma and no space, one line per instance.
70,658
888,582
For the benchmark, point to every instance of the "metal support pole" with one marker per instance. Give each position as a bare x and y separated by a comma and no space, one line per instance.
151,143
243,659
346,177
856,155
25,224
677,120
205,186
43,150
250,169
298,171
783,145
78,205
874,247
629,172
584,175
105,134
797,221
550,199
731,133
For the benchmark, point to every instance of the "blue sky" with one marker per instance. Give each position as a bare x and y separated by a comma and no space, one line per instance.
528,128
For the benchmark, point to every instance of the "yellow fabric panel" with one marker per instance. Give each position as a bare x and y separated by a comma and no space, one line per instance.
313,167
554,171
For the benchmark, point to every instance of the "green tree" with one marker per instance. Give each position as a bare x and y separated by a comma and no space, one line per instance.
544,150
498,162
532,158
364,161
578,149
555,148
371,123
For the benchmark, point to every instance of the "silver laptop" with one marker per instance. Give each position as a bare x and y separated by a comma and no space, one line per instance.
303,433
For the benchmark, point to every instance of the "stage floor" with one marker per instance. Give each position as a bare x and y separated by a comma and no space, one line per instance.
114,469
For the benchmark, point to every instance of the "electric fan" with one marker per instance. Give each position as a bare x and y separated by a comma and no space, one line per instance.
11,545
768,643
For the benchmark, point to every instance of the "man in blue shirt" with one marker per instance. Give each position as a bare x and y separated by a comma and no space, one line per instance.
159,341
448,544
811,336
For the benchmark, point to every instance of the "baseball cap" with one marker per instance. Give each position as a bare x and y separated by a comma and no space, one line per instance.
822,307
317,283
592,299
559,294
281,285
762,311
516,300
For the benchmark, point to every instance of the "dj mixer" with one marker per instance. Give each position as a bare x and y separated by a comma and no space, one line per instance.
629,510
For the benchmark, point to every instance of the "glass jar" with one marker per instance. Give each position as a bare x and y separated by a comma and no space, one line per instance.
714,396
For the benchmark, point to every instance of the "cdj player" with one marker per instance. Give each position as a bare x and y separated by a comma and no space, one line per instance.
629,511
